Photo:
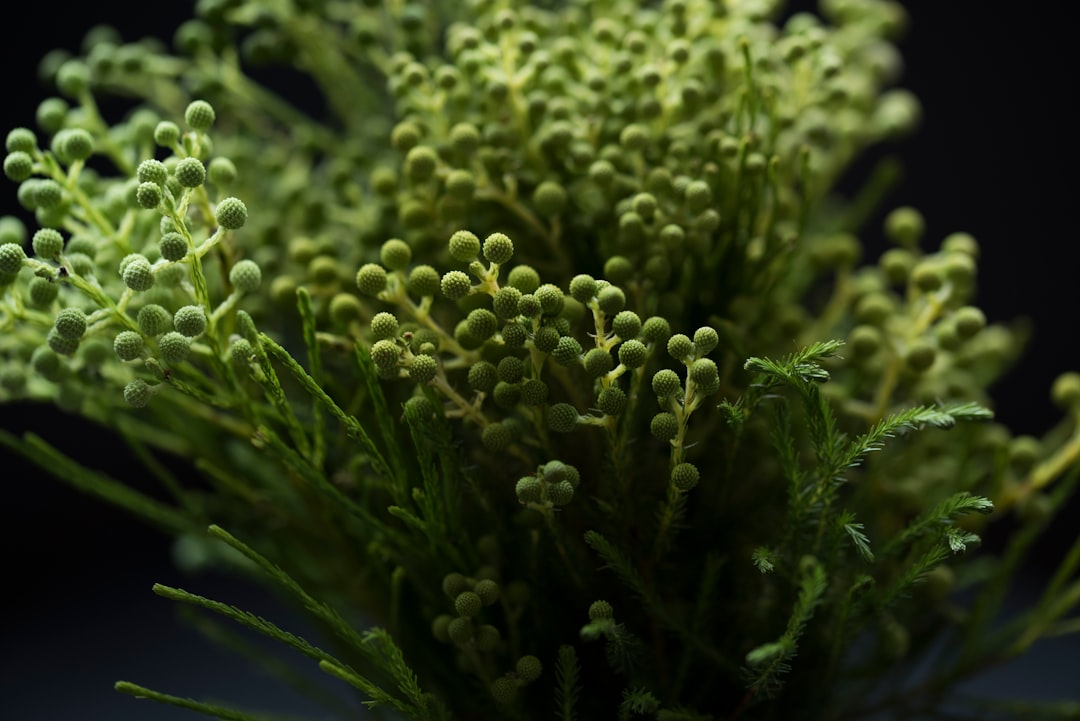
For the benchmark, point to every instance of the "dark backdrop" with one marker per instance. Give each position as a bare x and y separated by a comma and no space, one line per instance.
995,156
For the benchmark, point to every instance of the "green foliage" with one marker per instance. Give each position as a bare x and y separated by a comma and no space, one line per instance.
419,375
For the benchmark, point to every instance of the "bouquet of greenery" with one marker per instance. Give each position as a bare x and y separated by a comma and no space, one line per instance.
546,345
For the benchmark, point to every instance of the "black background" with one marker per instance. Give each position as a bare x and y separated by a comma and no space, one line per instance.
995,156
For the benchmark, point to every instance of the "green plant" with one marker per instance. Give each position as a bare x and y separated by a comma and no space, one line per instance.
433,360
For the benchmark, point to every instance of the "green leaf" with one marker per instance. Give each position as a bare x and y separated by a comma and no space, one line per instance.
219,712
567,683
763,559
859,538
93,483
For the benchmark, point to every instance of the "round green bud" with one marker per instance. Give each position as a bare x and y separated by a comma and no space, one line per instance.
961,243
612,400
597,361
551,299
454,584
221,172
685,476
82,244
505,302
61,345
404,136
969,320
864,341
70,323
528,305
529,490
395,254
703,372
77,144
549,199
633,353
323,270
46,363
534,392
137,393
562,417
680,347
51,113
664,426
48,243
190,320
905,226
166,134
697,195
148,195
460,630
42,292
528,668
420,163
546,339
626,324
465,138
154,320
611,299
231,213
240,352
1024,451
384,326
665,383
464,246
48,194
633,137
152,171
655,330
73,78
422,368
874,309
138,275
514,335
173,247
506,395
128,345
20,140
567,351
503,691
896,264
488,591
371,279
482,377
600,610
440,626
460,184
190,172
385,354
583,288
482,323
455,285
487,638
246,276
199,115
423,281
705,340
18,166
174,347
468,603
498,248
511,369
524,278
920,355
1065,392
